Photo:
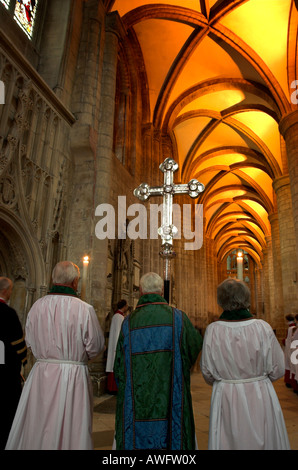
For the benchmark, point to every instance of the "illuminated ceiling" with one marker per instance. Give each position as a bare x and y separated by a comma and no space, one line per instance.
218,78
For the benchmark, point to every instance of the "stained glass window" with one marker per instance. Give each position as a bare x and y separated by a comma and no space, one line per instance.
24,14
5,3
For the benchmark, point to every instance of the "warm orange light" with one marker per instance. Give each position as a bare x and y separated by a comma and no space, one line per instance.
86,260
239,254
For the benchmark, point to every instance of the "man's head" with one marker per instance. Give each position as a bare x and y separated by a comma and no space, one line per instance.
66,273
151,282
6,286
122,305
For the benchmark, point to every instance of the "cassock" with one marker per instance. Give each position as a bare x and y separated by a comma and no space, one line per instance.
115,328
55,409
15,355
156,349
241,359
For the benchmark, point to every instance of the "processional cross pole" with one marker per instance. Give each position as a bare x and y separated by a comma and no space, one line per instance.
167,231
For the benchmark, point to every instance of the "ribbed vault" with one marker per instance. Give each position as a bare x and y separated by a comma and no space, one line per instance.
217,77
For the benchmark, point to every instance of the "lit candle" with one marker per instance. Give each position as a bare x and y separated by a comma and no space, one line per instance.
240,265
84,277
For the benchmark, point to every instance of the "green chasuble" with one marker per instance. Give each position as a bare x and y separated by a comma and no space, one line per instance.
156,349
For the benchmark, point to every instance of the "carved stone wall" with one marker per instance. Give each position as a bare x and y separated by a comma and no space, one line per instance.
34,178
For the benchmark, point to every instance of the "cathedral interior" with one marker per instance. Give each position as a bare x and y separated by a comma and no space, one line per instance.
97,94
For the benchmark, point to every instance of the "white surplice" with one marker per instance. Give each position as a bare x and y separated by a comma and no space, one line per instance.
55,408
240,360
115,328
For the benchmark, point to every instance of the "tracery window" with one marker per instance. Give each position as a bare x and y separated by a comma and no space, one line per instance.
24,13
5,3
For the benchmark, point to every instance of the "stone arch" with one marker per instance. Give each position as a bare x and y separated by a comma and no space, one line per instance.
21,261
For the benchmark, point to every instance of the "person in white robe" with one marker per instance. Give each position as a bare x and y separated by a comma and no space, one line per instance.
115,328
56,406
287,349
241,357
293,358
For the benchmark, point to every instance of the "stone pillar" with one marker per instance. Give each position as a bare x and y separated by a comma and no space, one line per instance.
288,251
210,278
204,279
270,298
259,292
214,278
277,313
84,140
288,127
147,150
157,178
29,302
92,149
266,285
252,286
104,155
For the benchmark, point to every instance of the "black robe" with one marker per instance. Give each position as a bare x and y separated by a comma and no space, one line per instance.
15,353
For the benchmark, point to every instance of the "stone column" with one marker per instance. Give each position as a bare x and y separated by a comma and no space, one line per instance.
270,296
266,285
277,313
84,140
288,127
214,278
147,150
210,276
204,293
29,302
288,251
252,286
259,292
157,178
104,155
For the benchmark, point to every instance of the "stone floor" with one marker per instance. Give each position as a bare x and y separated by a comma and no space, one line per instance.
104,414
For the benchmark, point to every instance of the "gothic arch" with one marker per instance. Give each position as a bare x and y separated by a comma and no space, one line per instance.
21,257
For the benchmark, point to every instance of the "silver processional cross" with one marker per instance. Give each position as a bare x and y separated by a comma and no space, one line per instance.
167,231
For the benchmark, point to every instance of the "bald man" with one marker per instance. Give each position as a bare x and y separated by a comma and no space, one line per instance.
63,332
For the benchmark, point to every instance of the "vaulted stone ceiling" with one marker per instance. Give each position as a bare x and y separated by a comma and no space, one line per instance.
218,77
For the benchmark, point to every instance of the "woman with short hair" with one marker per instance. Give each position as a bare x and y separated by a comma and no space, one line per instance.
241,358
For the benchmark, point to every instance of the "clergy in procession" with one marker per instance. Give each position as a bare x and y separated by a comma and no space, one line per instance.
63,332
156,349
241,357
115,328
13,357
